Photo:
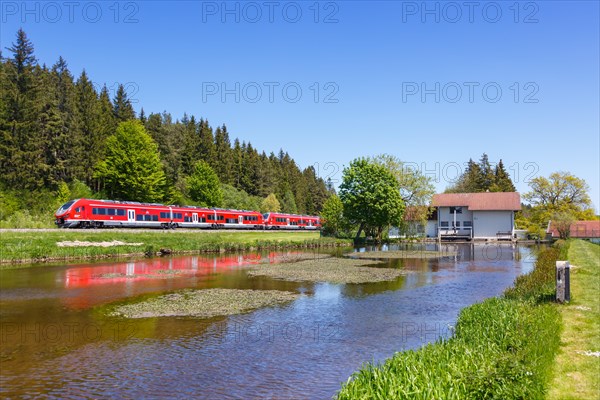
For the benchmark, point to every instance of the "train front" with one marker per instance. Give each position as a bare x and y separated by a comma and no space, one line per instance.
64,215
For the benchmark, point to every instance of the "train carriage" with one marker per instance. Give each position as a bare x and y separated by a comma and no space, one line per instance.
87,213
291,221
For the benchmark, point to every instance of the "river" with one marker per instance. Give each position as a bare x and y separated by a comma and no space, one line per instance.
57,341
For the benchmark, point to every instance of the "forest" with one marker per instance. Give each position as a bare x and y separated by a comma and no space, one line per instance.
55,141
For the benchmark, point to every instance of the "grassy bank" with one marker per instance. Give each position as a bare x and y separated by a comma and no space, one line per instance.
577,371
35,246
502,348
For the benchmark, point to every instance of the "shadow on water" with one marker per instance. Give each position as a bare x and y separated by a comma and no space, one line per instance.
57,341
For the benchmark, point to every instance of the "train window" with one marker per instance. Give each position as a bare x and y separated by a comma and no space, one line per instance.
155,218
111,211
211,217
202,219
178,215
187,219
120,212
65,206
94,211
231,221
102,211
220,217
147,217
139,217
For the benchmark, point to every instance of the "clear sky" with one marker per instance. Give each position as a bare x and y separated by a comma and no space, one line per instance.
434,83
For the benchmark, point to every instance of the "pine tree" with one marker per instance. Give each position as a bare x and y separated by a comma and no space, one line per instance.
206,144
502,182
189,155
88,109
142,118
123,110
224,163
486,174
24,165
288,203
66,155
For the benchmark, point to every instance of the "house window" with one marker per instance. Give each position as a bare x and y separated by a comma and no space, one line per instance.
457,209
457,225
444,224
467,224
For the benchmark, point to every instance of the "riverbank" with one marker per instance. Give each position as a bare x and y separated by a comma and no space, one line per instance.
577,371
31,246
502,348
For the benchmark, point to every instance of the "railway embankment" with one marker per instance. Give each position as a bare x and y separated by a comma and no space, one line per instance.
31,246
502,348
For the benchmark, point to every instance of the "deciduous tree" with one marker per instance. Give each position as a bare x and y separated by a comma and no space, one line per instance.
204,186
132,168
370,195
270,204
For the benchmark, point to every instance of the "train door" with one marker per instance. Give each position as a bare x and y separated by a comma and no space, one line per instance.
241,219
195,218
130,215
310,223
287,221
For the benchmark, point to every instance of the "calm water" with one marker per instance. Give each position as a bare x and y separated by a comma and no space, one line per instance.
56,340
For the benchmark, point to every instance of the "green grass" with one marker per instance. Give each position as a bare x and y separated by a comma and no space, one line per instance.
33,246
576,375
503,348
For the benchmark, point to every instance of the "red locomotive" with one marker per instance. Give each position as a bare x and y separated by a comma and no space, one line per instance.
86,213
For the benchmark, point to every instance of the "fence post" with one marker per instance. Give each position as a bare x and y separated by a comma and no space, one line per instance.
563,281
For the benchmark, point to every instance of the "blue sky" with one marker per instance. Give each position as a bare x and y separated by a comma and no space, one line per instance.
433,83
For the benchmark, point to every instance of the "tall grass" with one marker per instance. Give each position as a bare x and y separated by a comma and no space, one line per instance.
502,349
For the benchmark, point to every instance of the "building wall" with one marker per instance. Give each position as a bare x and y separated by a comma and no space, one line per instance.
445,215
486,224
431,229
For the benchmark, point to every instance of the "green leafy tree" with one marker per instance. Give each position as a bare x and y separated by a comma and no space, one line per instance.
131,169
416,189
204,187
332,216
370,195
561,195
270,204
238,199
560,189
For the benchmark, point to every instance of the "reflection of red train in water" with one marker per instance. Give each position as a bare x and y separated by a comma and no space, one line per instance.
86,213
152,269
95,284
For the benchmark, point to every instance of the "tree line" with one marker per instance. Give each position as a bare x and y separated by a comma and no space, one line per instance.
57,133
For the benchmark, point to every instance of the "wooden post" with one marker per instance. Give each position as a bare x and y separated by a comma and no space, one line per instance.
563,281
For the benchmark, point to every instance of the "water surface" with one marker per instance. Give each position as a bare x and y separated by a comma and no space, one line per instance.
57,340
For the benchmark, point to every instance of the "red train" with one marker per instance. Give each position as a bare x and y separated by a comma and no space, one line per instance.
86,213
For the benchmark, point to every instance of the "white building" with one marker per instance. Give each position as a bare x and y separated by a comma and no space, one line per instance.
478,216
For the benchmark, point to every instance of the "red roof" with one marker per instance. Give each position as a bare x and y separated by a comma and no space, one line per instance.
579,229
488,201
